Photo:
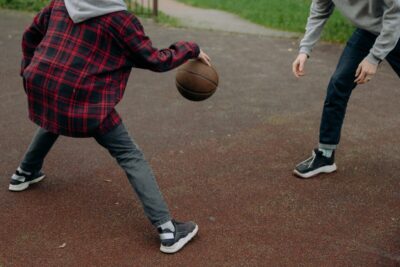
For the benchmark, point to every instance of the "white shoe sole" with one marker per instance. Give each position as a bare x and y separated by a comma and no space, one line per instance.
180,244
23,186
325,169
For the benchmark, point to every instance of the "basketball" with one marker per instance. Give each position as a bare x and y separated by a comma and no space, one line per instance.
196,81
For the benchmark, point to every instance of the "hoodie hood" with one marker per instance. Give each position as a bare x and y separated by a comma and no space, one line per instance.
81,10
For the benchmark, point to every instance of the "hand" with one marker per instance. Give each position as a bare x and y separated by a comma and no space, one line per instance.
298,65
203,57
365,72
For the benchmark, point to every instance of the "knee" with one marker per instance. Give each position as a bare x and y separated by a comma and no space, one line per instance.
340,81
129,155
340,88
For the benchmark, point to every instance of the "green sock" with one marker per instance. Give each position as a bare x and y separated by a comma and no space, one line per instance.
326,152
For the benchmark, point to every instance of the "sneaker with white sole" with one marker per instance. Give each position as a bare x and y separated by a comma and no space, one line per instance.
172,242
315,165
21,180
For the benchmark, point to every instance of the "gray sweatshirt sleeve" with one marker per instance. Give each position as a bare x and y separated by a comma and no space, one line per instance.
320,11
389,35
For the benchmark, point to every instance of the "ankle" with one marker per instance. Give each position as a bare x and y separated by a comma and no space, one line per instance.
326,152
167,226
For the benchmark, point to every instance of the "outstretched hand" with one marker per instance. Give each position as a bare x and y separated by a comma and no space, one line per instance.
365,72
203,57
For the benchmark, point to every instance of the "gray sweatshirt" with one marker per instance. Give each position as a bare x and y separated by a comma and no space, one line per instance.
380,17
81,10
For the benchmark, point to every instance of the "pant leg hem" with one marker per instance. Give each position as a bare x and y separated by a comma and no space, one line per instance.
29,169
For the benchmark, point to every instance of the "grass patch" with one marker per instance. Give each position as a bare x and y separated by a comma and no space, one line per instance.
161,18
288,15
167,20
26,5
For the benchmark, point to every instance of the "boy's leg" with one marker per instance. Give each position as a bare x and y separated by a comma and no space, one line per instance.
339,90
41,144
29,171
173,235
131,159
341,86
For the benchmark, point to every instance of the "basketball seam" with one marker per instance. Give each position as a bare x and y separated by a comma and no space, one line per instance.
205,78
194,92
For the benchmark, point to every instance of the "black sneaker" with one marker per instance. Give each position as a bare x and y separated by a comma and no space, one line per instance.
315,165
21,180
172,242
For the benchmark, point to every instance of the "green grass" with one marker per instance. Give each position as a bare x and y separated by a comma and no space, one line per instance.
26,5
167,20
161,18
288,15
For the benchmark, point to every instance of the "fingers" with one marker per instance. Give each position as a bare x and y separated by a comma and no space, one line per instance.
204,58
361,78
365,72
298,65
301,66
295,67
207,59
298,68
358,71
360,75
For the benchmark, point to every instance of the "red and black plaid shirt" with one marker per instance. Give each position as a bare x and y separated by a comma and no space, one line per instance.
75,74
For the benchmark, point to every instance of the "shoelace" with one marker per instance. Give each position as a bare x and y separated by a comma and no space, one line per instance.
312,161
312,158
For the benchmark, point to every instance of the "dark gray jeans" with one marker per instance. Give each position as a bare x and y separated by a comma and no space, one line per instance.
129,157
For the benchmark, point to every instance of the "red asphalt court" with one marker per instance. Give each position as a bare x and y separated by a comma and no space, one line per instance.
225,163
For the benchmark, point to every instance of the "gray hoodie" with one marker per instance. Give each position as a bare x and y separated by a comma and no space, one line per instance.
381,17
81,10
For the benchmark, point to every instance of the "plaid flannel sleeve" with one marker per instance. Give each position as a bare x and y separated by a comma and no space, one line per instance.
33,35
145,56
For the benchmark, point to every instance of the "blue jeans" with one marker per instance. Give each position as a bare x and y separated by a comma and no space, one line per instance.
342,84
127,154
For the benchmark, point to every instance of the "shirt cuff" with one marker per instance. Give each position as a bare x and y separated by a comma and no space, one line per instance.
373,59
305,50
196,49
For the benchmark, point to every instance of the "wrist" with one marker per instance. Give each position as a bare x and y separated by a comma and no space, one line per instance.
373,59
196,50
305,50
304,54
